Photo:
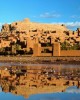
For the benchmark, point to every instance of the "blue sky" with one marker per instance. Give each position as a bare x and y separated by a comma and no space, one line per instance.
45,11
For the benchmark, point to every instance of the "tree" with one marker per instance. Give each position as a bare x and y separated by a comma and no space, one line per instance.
18,47
63,45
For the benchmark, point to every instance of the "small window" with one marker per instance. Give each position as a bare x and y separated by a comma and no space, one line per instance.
15,23
53,31
34,30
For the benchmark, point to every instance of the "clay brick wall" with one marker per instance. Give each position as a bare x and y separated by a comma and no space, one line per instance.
50,48
56,49
70,53
46,54
36,50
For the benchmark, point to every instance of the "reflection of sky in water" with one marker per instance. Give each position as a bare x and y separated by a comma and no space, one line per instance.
73,89
56,96
25,64
71,93
0,89
9,96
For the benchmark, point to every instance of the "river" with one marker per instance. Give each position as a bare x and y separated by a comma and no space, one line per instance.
71,93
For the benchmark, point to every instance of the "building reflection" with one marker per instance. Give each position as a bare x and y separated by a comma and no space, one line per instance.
27,80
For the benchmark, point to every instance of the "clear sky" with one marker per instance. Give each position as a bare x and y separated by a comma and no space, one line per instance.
48,11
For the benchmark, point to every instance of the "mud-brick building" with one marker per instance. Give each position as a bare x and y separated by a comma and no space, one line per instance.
30,36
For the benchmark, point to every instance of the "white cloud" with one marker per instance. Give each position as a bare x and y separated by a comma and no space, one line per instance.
1,24
69,24
73,24
75,16
48,15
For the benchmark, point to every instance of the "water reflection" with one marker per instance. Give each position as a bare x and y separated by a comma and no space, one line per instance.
9,96
28,64
0,89
50,96
69,94
33,80
73,89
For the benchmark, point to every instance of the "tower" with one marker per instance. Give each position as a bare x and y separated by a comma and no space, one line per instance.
56,49
36,49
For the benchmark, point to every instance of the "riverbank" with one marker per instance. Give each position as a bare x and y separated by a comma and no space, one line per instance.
40,60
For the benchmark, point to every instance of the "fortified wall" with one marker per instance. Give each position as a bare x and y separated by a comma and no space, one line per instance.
56,51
